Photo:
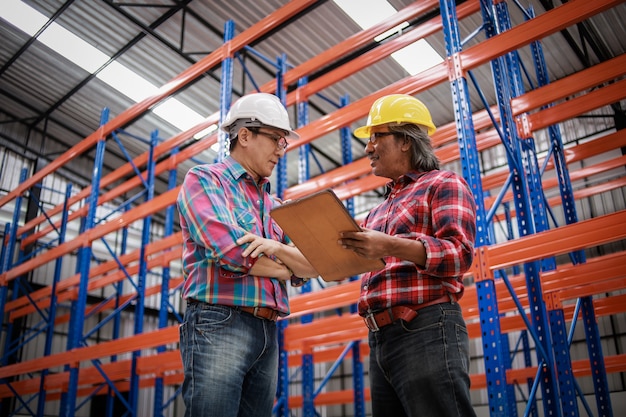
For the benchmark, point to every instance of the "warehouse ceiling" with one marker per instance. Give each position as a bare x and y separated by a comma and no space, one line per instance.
49,96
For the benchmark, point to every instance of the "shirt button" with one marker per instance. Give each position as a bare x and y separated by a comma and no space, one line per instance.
365,287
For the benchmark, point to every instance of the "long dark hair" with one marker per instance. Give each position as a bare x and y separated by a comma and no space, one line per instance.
423,155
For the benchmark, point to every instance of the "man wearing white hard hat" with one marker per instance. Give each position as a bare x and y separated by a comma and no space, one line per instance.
236,266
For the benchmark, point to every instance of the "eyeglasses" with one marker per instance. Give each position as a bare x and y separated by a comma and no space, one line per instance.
281,142
374,136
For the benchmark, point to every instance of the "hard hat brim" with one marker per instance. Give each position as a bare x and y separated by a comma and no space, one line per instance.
362,132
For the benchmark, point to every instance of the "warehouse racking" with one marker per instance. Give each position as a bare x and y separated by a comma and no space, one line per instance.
521,293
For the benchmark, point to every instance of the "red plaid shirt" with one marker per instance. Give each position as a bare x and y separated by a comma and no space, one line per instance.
437,208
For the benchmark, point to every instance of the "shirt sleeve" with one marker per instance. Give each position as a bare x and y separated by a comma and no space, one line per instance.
213,222
450,250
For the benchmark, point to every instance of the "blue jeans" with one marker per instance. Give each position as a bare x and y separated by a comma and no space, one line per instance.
230,360
421,368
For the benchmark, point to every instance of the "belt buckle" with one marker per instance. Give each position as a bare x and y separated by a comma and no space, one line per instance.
272,316
256,314
370,322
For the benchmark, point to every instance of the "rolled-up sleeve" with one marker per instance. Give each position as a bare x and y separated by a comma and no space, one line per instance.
214,221
450,250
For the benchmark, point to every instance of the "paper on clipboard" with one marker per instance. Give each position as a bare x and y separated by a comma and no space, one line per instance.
313,223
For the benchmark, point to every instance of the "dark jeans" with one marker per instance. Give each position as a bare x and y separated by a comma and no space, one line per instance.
421,368
230,359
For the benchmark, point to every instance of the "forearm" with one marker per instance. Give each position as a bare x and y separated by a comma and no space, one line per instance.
285,254
407,249
296,262
266,267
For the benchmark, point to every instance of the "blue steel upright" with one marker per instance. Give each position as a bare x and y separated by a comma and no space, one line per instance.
77,311
226,93
501,403
140,302
525,190
53,302
165,306
594,345
281,93
358,383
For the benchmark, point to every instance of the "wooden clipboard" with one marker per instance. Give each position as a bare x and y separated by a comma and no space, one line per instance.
313,223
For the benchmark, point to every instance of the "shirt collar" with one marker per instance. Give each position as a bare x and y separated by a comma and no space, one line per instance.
403,181
238,173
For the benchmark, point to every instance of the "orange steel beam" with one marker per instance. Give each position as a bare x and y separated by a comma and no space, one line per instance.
329,398
340,295
328,354
325,58
152,249
609,94
255,31
538,120
602,306
572,153
99,277
596,189
569,238
158,365
595,287
319,61
579,174
114,347
158,203
613,364
496,179
102,307
603,268
111,304
560,89
379,53
354,42
546,24
70,292
122,172
535,29
460,8
484,141
297,334
445,134
118,191
57,382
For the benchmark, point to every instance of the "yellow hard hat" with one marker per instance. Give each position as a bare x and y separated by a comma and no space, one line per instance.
396,108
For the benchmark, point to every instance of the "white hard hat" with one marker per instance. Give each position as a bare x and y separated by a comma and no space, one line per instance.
255,110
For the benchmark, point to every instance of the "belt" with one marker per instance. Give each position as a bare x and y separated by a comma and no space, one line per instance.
265,313
376,321
261,312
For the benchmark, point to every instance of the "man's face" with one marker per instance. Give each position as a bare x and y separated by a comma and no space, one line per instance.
267,146
385,152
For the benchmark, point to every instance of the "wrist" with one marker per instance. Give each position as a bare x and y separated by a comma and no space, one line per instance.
289,271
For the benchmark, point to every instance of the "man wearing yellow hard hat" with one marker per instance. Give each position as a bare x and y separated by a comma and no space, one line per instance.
424,230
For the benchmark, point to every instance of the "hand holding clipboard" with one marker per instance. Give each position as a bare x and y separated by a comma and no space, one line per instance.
314,223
